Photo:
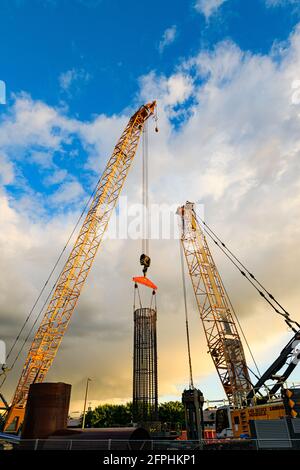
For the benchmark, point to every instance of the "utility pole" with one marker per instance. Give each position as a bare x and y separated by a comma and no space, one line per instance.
85,400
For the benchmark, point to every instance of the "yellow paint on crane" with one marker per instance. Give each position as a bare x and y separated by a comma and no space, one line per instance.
214,307
70,283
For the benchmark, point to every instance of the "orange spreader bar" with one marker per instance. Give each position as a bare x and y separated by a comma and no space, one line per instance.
145,281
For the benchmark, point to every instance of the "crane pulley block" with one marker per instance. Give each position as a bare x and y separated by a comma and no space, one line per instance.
145,261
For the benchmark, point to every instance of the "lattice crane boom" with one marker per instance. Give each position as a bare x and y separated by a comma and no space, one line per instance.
73,276
224,343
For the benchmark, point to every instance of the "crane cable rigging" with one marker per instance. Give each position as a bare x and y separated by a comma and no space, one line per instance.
145,191
258,286
5,368
145,260
257,374
137,295
191,384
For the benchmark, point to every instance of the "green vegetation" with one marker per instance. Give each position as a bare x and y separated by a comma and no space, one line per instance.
107,415
172,412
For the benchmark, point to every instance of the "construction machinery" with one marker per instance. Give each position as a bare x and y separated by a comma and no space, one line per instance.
71,280
247,401
222,336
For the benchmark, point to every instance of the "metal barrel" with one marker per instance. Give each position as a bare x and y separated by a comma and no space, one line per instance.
46,410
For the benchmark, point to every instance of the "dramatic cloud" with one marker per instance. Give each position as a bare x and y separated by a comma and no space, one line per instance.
229,137
168,38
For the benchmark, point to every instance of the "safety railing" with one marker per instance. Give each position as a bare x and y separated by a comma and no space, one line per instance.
147,445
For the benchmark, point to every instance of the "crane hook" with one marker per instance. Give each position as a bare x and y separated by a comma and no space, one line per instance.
145,262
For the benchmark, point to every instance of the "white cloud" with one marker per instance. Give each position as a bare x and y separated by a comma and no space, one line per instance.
68,192
170,91
98,137
208,7
219,66
236,150
7,173
42,159
72,78
34,123
168,38
275,3
56,177
2,92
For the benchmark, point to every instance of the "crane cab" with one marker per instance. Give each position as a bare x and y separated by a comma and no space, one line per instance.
223,422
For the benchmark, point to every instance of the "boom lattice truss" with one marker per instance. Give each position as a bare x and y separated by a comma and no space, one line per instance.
73,276
222,336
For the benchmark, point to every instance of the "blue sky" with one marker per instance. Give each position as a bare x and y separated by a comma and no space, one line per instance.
226,74
89,56
114,42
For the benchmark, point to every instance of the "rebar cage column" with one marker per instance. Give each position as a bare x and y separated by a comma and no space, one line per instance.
145,389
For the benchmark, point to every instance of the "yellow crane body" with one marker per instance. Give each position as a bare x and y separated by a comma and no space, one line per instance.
56,318
223,340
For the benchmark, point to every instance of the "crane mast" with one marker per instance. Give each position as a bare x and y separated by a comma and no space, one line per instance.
73,276
224,343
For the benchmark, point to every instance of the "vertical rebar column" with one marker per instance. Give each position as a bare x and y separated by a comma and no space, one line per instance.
145,392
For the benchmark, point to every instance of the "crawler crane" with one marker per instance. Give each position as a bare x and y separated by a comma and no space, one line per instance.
247,401
65,296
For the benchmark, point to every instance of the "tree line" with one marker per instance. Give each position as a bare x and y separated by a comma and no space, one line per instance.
105,416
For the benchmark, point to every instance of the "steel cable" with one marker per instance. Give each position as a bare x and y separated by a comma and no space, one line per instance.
42,291
245,272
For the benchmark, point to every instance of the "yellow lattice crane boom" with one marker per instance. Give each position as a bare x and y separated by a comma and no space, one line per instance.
216,314
73,276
